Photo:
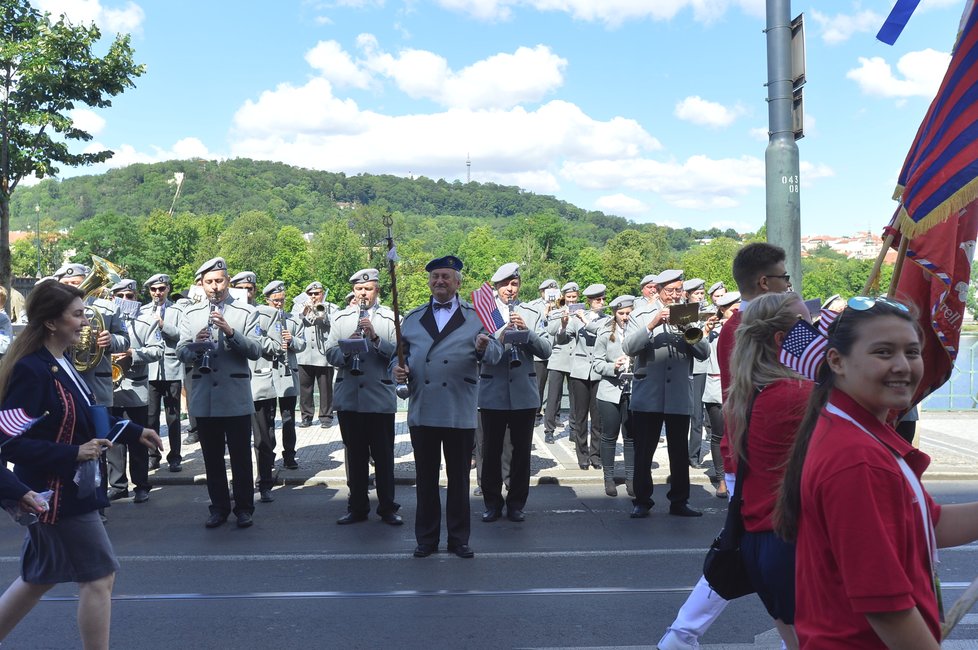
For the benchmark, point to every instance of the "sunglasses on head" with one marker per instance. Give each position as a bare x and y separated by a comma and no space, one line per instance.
865,303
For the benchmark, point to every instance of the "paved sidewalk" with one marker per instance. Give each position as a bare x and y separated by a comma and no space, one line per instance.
951,439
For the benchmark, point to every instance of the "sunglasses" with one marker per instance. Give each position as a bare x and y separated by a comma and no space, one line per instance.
128,295
157,289
865,303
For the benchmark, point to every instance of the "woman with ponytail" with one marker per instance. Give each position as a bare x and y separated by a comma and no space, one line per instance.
867,532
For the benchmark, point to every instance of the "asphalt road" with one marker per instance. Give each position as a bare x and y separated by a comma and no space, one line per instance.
577,574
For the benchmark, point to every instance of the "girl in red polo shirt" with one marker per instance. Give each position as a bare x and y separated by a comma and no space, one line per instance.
867,532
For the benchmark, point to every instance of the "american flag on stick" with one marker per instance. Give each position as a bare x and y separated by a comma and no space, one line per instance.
14,422
825,318
484,301
803,349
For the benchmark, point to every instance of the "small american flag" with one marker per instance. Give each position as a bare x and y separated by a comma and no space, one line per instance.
825,318
14,422
803,349
484,301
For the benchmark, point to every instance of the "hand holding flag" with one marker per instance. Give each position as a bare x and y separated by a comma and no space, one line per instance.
484,301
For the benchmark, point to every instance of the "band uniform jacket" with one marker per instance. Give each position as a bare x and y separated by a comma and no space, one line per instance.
373,391
315,330
443,384
146,348
606,352
169,367
268,378
663,365
585,334
504,388
99,378
561,344
539,305
226,390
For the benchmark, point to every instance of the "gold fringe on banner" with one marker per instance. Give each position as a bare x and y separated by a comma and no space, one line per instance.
946,209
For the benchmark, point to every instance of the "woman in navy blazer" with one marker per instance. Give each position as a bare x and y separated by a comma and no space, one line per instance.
68,543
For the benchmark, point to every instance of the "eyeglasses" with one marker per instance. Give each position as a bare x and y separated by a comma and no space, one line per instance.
128,295
157,289
314,293
865,303
784,276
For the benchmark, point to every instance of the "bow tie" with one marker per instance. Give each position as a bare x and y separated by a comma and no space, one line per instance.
441,305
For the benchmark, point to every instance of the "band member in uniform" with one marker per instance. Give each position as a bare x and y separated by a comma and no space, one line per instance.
314,370
508,399
444,342
698,448
131,395
583,382
364,398
716,291
649,294
217,337
544,306
351,300
246,280
195,294
166,374
662,392
275,384
559,364
614,393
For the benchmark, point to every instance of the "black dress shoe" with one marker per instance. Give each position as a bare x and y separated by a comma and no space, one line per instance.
639,512
351,518
304,423
684,510
175,466
490,516
141,495
462,550
516,515
244,520
265,496
424,550
154,463
290,464
115,495
595,464
392,519
549,438
215,520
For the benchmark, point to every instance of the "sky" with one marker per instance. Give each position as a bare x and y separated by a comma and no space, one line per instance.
653,110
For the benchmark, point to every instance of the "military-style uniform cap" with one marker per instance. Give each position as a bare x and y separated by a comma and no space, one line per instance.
668,276
716,286
830,300
365,275
245,276
595,290
124,285
159,278
72,270
694,284
505,272
447,262
570,286
45,279
621,302
275,286
728,299
349,297
313,285
213,264
651,277
548,284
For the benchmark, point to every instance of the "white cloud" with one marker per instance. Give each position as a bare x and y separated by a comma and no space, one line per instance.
126,19
739,226
920,74
87,120
621,205
697,110
336,65
842,27
759,133
127,155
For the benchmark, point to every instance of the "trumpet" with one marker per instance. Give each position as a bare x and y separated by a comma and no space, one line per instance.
514,353
686,321
355,362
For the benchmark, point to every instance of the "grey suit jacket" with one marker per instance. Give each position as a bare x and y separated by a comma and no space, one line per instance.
373,391
146,348
169,367
99,378
663,366
444,366
315,330
268,378
585,334
606,352
562,345
504,388
226,390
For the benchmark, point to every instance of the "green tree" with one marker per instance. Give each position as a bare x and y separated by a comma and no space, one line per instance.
292,263
628,257
114,237
587,268
248,243
336,255
482,253
713,262
46,70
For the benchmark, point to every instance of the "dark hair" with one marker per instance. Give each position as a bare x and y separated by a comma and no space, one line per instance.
753,260
843,333
47,301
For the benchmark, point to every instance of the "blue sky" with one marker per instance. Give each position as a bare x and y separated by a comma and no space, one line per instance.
653,110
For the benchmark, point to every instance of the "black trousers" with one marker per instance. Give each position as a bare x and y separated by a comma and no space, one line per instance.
137,452
540,367
494,423
366,436
555,392
645,432
263,427
234,432
615,418
429,443
697,446
584,403
310,376
167,392
715,413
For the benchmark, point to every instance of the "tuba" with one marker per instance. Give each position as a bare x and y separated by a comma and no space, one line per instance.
87,353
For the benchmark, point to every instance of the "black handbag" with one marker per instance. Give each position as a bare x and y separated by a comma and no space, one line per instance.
724,567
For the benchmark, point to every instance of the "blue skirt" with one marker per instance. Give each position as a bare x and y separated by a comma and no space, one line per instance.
76,549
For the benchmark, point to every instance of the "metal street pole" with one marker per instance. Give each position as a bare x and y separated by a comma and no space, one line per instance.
781,156
37,233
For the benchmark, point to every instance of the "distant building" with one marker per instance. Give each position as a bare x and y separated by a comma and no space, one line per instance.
861,246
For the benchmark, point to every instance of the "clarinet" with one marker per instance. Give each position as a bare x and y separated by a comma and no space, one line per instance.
514,353
355,362
205,361
284,354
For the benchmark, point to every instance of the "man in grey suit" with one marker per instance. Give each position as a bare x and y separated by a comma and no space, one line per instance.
314,370
364,398
508,399
559,364
217,337
548,296
584,380
661,392
444,342
165,375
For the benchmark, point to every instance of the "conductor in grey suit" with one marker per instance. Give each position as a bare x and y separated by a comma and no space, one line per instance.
443,343
508,398
661,393
217,338
364,398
